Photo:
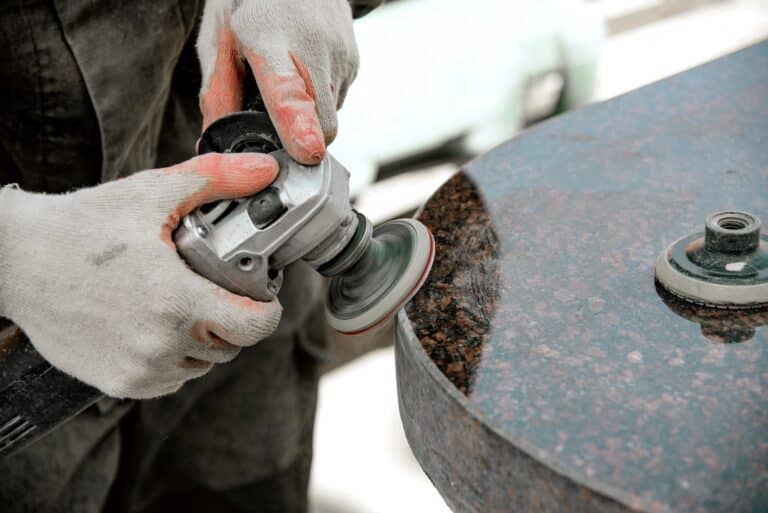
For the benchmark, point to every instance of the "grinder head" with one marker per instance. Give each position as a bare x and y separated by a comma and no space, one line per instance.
387,275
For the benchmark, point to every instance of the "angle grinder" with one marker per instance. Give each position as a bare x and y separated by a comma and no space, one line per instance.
243,245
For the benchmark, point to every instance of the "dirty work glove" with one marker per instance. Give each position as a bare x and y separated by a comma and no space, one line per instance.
94,280
303,56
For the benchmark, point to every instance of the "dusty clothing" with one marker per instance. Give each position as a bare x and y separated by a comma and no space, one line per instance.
97,90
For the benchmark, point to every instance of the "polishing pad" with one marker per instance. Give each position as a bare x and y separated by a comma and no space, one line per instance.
724,267
391,271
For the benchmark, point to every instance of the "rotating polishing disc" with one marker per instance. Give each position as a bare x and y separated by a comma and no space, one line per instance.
389,273
724,267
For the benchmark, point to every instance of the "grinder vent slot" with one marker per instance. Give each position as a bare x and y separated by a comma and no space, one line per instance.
215,212
14,430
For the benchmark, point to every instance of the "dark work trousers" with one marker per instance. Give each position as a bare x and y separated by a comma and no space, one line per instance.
97,89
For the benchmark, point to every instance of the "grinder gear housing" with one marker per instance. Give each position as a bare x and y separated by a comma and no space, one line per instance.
244,245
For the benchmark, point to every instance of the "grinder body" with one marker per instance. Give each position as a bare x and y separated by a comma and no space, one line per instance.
243,245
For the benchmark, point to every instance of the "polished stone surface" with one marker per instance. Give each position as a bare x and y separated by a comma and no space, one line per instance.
541,368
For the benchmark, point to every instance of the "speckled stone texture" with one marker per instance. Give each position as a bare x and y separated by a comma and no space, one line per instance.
540,369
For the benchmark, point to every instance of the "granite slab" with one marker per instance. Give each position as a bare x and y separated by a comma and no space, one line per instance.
541,368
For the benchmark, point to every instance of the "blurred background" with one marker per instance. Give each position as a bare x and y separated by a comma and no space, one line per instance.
442,81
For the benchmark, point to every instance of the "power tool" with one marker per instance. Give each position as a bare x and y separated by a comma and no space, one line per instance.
243,245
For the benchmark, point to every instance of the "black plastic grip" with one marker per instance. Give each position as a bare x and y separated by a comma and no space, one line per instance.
35,397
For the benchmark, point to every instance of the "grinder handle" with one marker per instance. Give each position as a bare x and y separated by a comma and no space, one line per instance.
35,397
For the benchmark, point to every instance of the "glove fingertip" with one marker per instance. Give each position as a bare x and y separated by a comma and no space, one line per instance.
235,175
330,123
253,321
308,147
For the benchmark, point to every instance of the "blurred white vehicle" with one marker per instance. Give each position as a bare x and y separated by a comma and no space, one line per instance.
433,71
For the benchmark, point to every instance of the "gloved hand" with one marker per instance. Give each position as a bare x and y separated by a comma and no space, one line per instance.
94,279
303,56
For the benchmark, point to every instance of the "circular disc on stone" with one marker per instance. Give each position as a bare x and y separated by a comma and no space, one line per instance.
718,294
724,267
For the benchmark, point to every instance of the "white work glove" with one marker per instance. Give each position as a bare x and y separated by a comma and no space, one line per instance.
303,56
94,280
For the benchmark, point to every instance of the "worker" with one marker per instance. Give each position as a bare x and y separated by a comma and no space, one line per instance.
94,91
